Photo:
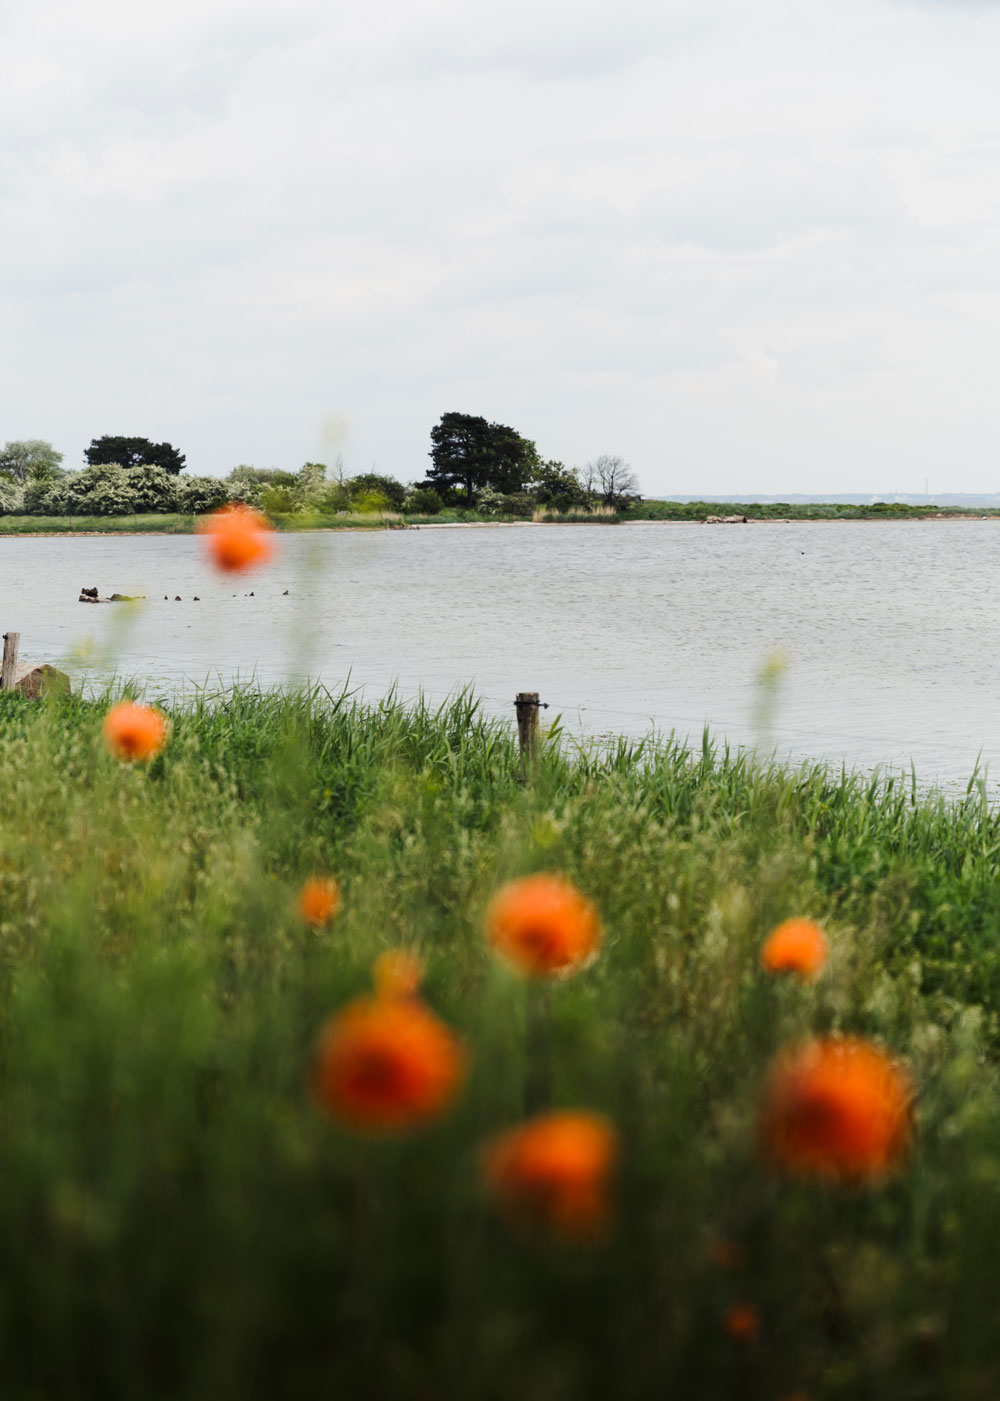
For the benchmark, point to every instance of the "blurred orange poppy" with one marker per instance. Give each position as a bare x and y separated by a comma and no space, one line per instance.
725,1254
319,900
387,1065
836,1109
543,926
742,1323
554,1171
795,946
397,973
237,538
134,731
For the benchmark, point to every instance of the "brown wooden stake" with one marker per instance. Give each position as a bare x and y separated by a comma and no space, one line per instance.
11,642
527,707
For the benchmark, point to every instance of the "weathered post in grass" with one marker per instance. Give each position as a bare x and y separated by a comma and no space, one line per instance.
527,706
11,642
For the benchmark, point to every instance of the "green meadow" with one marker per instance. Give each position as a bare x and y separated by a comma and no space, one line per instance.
178,1218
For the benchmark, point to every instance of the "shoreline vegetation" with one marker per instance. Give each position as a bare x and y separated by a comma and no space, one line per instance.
181,1216
721,513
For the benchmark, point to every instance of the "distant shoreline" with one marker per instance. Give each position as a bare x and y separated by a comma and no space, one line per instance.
929,517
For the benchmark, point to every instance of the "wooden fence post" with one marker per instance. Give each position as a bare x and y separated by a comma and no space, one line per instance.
11,642
527,706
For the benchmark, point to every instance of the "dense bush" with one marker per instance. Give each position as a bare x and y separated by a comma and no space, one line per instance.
198,495
103,490
46,497
423,501
152,489
367,484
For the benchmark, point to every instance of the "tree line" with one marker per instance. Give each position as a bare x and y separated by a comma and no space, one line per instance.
475,465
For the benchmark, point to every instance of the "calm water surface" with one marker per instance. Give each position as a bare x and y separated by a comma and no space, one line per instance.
889,630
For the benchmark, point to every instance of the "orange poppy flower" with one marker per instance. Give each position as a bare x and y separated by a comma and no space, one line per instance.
319,900
543,926
397,973
725,1254
387,1065
837,1109
134,731
237,538
554,1171
742,1323
795,946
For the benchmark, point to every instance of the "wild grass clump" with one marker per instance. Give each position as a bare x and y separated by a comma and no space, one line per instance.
551,1180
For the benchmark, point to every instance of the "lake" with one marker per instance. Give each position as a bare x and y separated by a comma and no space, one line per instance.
888,631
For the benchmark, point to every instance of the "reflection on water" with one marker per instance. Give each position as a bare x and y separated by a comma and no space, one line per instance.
888,629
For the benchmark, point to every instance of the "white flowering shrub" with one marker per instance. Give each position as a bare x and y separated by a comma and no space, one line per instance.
103,490
198,495
11,497
152,488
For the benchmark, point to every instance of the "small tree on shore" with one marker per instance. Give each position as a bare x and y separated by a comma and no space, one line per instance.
613,479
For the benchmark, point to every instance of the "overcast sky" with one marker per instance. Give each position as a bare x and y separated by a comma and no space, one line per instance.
748,246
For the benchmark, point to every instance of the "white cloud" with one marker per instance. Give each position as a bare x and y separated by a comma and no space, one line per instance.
744,246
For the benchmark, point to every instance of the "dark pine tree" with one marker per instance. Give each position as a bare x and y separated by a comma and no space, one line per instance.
134,452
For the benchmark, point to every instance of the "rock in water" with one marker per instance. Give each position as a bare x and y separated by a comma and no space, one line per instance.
34,680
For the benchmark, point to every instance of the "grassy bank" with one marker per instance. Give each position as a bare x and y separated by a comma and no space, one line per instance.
103,525
297,521
780,510
355,520
178,1218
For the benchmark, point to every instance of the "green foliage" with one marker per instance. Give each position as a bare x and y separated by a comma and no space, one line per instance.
162,524
103,490
277,499
496,503
44,497
199,495
27,458
153,489
177,1217
374,483
11,496
371,503
559,487
781,510
469,453
423,501
133,452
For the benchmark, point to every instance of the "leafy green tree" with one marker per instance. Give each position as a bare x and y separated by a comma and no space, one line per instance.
368,483
557,486
134,452
469,453
423,501
28,457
